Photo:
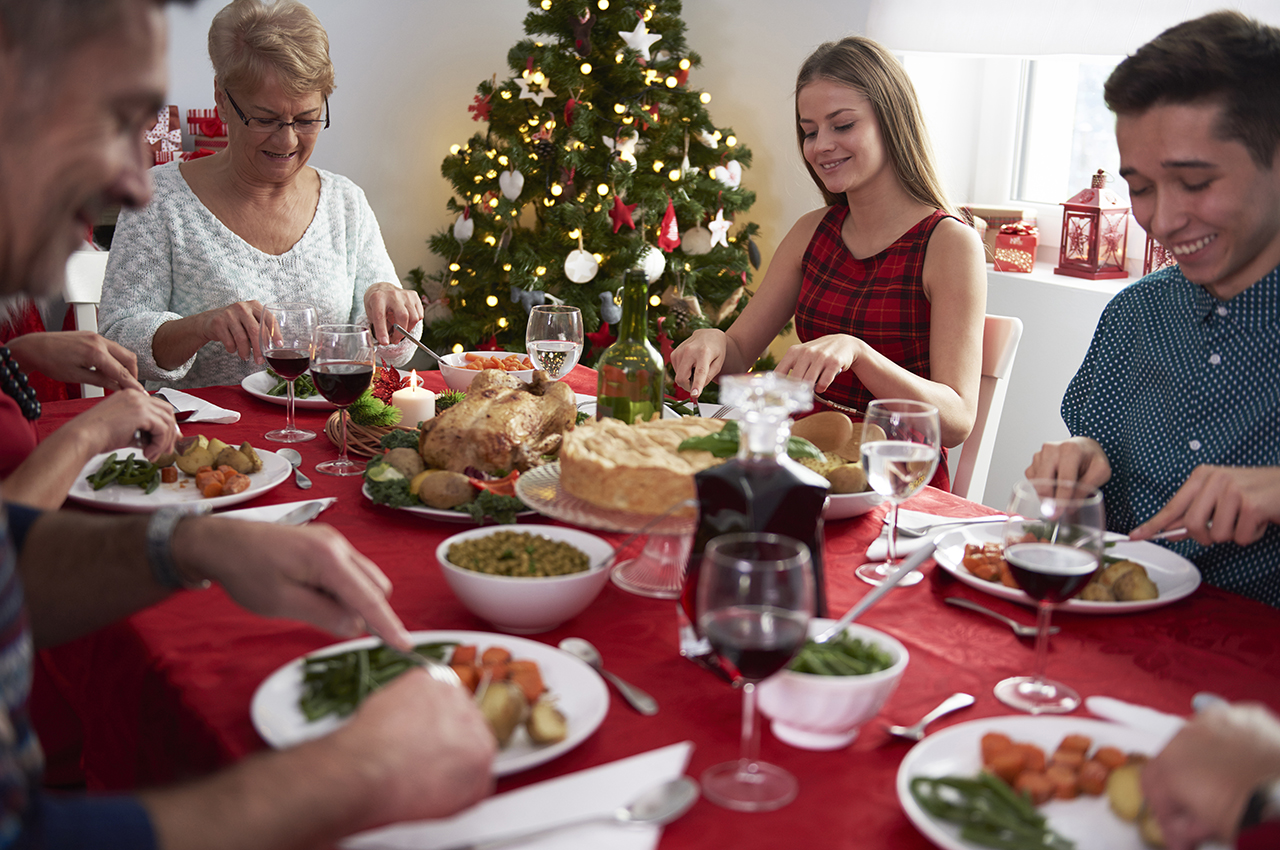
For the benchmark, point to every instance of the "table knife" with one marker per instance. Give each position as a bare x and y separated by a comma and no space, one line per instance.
302,514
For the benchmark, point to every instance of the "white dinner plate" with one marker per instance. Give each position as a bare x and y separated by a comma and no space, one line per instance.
259,383
131,499
587,405
579,691
436,513
957,751
1175,577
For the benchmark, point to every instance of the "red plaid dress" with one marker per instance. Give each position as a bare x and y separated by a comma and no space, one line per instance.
879,299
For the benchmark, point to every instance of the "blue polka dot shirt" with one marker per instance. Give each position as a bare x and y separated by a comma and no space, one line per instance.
1175,378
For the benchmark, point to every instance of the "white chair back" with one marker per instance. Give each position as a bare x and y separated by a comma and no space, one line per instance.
1000,338
85,272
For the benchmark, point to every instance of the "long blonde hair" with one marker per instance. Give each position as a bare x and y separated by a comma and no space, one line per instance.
862,64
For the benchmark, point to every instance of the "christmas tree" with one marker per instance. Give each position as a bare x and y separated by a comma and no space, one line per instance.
598,158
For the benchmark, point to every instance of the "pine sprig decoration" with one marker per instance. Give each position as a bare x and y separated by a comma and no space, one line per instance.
572,133
373,412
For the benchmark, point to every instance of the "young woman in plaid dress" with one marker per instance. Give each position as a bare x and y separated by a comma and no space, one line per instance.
866,275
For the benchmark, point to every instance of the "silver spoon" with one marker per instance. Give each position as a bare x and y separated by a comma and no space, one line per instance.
635,697
916,731
295,460
658,806
1020,629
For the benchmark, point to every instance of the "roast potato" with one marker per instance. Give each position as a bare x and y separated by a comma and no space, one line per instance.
850,478
235,459
445,490
1112,572
1124,791
1135,586
503,706
1096,591
546,724
406,460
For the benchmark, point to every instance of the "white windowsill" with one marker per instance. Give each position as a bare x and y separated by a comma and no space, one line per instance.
1042,273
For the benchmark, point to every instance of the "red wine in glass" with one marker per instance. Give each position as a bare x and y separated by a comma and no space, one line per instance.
342,383
288,363
1049,571
754,641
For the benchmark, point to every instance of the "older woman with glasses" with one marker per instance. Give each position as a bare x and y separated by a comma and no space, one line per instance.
253,224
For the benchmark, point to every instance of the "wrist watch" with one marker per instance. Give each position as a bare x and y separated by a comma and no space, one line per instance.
160,551
1263,806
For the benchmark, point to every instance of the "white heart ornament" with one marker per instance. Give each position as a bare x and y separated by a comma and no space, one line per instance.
730,174
463,228
511,183
580,266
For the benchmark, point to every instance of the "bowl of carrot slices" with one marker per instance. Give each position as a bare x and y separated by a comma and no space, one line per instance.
458,369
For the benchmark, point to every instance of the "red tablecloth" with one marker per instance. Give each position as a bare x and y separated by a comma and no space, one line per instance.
165,694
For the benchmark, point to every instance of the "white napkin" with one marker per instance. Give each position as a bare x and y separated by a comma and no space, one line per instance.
911,520
271,513
203,411
1165,726
597,790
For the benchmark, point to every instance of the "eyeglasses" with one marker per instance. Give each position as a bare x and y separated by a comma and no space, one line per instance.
301,126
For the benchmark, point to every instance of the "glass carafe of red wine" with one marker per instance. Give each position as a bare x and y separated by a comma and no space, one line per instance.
762,489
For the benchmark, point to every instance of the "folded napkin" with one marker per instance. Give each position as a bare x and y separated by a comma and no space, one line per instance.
913,521
1165,726
598,790
271,513
202,411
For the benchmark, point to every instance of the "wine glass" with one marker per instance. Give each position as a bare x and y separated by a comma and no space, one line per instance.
553,339
755,598
286,337
342,370
900,451
1053,543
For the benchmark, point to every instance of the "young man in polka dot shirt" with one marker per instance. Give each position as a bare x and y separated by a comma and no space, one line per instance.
1175,411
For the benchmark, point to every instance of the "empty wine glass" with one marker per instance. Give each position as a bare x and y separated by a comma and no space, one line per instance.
342,370
286,337
755,598
553,338
901,442
1053,543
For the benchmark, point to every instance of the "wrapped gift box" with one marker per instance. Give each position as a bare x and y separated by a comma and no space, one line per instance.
165,135
1016,247
213,143
205,123
997,217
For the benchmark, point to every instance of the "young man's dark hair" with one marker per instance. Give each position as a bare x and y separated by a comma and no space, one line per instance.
1224,56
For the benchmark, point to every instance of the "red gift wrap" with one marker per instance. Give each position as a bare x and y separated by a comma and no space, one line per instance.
205,123
1016,247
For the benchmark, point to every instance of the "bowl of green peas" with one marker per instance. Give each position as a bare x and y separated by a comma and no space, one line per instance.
830,690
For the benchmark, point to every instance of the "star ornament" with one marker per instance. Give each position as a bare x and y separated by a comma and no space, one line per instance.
640,39
621,214
536,95
719,229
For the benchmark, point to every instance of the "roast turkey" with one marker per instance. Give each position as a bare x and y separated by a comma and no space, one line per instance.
502,424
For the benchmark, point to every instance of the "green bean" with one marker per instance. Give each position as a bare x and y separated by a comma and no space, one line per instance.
989,811
105,474
337,684
153,482
842,656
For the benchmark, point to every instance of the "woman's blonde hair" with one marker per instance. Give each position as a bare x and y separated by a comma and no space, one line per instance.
862,64
249,40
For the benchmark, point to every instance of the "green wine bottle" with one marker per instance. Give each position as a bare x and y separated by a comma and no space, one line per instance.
631,370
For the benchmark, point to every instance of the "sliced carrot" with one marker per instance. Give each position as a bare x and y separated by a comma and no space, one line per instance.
993,743
1007,764
1064,781
1081,743
1032,756
1035,785
472,356
169,475
500,487
235,483
465,654
495,655
1112,757
212,490
528,678
1092,777
1068,758
469,674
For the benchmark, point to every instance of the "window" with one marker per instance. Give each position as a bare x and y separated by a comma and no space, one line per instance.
1067,131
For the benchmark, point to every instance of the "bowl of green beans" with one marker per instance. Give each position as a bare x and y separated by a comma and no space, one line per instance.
831,690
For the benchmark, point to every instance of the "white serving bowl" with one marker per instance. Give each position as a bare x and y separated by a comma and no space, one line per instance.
825,712
458,378
529,605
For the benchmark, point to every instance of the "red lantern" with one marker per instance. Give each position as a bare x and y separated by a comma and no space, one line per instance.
1095,230
1157,257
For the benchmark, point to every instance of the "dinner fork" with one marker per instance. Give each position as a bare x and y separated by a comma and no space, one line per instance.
923,530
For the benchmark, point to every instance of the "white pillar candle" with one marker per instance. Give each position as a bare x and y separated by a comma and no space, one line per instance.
415,403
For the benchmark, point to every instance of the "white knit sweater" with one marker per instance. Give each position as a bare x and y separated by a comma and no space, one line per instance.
174,258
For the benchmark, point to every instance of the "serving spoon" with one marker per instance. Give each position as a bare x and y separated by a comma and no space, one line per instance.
417,342
295,460
659,805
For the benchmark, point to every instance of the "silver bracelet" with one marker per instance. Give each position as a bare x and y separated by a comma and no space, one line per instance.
160,551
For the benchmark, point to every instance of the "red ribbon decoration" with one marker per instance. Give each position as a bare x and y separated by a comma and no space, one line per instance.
1021,228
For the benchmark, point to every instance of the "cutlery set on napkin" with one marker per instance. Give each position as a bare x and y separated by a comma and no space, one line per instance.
916,528
189,408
